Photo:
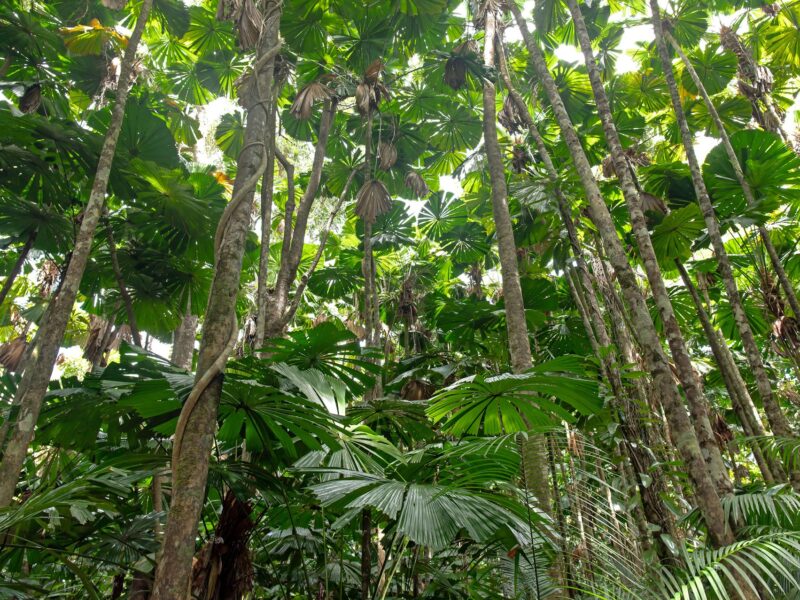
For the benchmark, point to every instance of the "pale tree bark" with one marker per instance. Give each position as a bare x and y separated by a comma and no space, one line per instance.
516,325
267,183
36,376
594,322
294,237
777,419
677,345
17,268
183,338
653,354
533,447
737,390
323,240
194,434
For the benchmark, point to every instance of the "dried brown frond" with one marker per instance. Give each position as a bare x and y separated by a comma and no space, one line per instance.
11,353
653,204
416,390
510,117
373,200
455,72
249,23
455,69
520,158
387,156
304,101
416,184
31,99
373,72
364,98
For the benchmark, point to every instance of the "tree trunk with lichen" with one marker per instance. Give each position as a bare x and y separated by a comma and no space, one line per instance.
36,376
190,472
681,427
677,345
775,415
534,451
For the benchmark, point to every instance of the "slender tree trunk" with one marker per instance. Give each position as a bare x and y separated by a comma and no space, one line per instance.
680,354
682,431
366,552
36,377
17,268
516,325
594,323
123,289
737,390
267,183
294,237
777,419
193,442
298,293
183,338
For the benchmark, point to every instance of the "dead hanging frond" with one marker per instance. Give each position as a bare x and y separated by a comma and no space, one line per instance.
455,69
371,91
373,200
373,72
369,97
416,184
652,204
11,353
314,92
722,433
520,157
510,116
633,158
31,99
248,22
387,156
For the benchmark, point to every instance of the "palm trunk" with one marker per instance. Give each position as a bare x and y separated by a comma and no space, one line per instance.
183,338
193,441
36,377
366,552
594,323
777,419
656,361
737,390
123,289
680,354
262,293
516,325
17,268
301,287
534,451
